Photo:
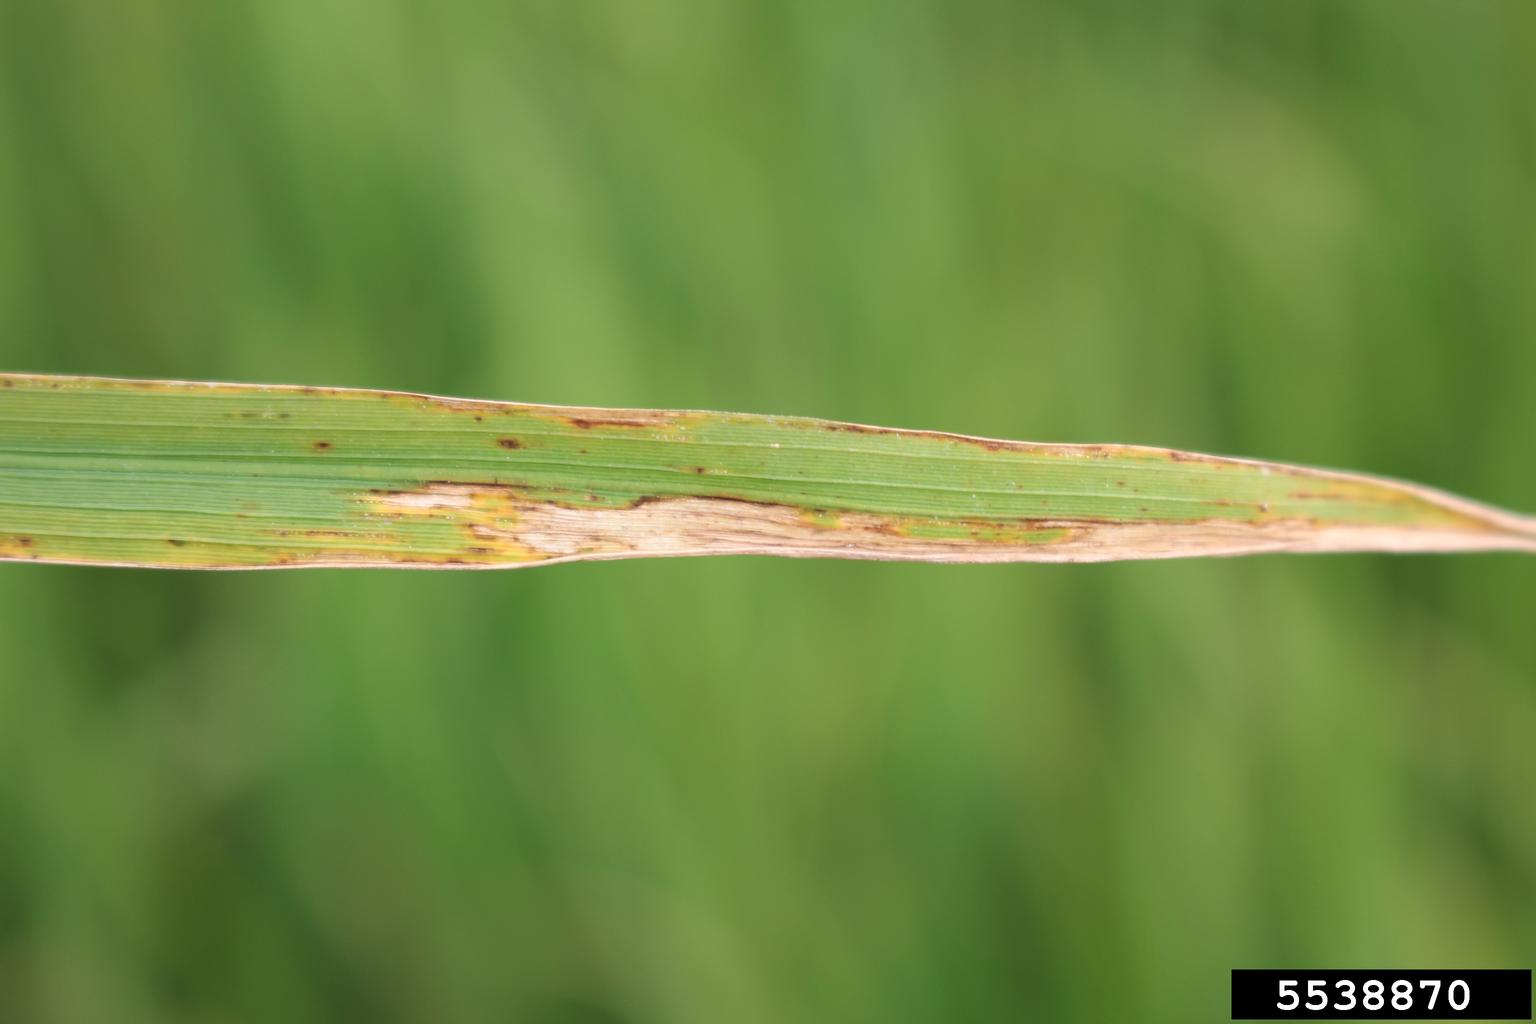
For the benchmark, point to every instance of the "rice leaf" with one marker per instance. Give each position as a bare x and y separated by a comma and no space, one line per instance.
170,474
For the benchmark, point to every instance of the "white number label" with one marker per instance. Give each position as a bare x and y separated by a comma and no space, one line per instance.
1400,997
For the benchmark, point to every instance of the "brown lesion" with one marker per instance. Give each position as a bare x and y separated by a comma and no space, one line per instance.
1195,458
18,547
859,428
505,524
344,536
589,422
505,521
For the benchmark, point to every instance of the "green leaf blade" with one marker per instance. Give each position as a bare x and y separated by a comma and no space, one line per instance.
181,475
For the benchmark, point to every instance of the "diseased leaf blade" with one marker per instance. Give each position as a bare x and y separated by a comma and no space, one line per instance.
235,476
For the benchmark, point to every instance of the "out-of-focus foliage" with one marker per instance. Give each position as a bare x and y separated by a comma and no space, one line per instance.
753,790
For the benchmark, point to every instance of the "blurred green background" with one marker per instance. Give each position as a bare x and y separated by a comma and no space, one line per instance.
753,790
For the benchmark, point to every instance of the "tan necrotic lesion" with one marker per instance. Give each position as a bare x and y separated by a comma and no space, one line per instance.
505,523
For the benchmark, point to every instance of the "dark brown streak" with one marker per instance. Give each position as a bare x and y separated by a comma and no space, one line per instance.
584,423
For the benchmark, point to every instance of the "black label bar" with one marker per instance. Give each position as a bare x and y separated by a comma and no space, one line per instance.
1381,995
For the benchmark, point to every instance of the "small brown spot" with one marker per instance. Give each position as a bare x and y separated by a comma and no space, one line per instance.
285,415
478,551
25,542
9,383
175,542
699,469
479,418
322,445
1119,483
509,442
